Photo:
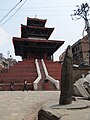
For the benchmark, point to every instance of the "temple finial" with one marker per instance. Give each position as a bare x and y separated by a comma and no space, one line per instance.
35,16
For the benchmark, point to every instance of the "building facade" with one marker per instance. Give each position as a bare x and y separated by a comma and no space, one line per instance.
80,51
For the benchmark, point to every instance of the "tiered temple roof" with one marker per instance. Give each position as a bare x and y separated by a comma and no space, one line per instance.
34,39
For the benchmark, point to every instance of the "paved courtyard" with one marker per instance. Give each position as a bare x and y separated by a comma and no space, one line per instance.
19,105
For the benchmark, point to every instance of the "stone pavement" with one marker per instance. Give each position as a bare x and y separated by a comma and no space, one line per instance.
19,105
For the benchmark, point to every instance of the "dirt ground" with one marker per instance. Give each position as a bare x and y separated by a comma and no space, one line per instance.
19,105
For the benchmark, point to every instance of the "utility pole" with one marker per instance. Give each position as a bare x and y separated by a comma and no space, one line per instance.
82,12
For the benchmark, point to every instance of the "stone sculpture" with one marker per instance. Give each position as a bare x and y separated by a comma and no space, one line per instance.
66,78
82,87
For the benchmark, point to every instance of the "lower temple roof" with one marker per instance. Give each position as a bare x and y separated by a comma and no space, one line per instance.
32,44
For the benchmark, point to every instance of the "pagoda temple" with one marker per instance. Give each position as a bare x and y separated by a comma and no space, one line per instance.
37,66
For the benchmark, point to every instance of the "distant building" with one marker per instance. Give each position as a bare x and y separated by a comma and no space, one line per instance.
6,62
80,51
61,57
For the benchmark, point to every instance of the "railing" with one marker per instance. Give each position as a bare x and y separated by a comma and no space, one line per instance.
56,82
35,83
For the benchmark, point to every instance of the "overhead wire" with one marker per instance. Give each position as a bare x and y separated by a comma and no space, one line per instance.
39,7
13,13
43,8
10,11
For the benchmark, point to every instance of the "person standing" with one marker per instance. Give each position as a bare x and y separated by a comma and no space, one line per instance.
12,86
25,85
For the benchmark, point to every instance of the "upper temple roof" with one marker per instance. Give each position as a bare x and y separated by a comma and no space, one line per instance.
33,31
35,28
36,22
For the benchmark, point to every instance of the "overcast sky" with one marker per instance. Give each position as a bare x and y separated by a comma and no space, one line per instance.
56,12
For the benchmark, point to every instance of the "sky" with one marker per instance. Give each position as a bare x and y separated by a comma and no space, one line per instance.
56,12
